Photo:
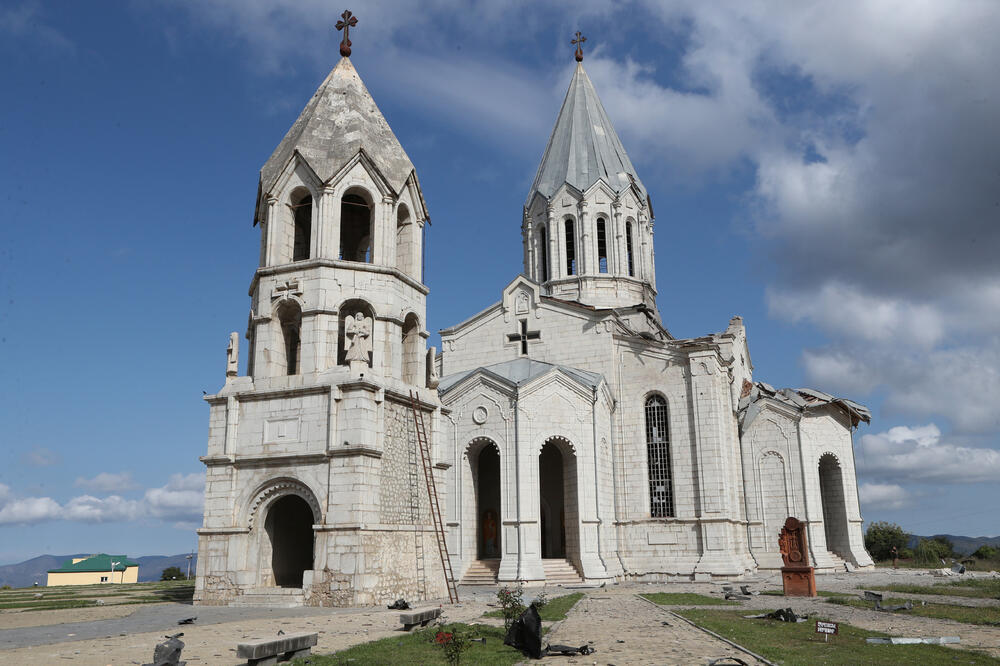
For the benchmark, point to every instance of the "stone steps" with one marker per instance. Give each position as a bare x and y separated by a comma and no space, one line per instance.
561,572
271,597
481,572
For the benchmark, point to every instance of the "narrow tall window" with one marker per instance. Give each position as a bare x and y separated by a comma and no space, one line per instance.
303,228
602,246
661,495
570,249
355,229
290,318
628,249
543,255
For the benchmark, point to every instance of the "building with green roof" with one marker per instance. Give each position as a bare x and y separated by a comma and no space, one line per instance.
94,570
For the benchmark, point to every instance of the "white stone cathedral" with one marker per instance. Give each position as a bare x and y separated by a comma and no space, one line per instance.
571,435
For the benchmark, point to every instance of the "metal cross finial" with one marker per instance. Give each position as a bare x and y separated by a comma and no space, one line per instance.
348,21
580,39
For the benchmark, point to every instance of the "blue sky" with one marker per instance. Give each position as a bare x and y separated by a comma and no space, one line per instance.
826,171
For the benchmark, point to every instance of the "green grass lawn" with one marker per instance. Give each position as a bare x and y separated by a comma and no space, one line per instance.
554,610
981,588
968,614
419,648
798,643
82,596
685,599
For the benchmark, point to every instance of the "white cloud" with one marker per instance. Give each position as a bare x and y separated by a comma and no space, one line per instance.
107,482
25,22
179,500
883,496
918,454
40,457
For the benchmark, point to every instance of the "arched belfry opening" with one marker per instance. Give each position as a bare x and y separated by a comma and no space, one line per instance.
289,529
831,488
406,242
557,492
290,319
355,228
486,481
302,207
412,348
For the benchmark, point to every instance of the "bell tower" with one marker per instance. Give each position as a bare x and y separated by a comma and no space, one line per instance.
588,220
314,493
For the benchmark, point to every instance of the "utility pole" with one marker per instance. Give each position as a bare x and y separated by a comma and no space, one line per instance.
113,565
188,558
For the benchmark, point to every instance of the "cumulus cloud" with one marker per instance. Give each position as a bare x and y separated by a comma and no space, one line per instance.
883,496
107,482
919,454
40,457
180,500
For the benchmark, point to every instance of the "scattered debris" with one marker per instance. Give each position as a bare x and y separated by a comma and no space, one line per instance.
958,568
99,602
168,653
38,595
568,651
943,572
782,614
872,596
399,604
727,661
892,609
730,596
745,589
898,640
849,567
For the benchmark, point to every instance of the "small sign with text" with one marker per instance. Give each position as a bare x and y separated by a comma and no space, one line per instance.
826,628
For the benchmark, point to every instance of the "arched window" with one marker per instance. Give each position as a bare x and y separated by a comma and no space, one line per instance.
602,246
543,255
570,249
629,257
661,492
290,318
355,229
405,239
412,344
303,227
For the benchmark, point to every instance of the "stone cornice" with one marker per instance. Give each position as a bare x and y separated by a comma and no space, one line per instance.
336,263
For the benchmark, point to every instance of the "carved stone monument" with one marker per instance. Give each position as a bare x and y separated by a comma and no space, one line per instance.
233,355
359,346
797,577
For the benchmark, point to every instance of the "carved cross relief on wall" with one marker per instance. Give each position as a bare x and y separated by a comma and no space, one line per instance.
523,335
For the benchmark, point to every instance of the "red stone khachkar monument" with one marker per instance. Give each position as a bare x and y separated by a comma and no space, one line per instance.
797,576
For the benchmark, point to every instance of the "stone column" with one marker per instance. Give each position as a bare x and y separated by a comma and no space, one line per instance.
330,221
583,235
615,238
553,240
652,256
530,267
268,231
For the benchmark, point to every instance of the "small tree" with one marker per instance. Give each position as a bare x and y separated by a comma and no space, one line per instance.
171,573
986,553
932,551
511,604
882,536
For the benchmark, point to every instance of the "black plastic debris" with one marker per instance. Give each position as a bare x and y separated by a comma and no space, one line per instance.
168,653
399,604
745,589
872,596
187,620
525,634
569,651
782,615
727,661
892,609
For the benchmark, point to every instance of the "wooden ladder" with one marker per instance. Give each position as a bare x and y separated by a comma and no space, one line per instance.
435,506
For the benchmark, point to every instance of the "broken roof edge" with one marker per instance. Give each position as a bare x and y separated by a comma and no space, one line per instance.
801,400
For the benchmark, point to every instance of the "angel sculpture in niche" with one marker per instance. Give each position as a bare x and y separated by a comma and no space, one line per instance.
358,337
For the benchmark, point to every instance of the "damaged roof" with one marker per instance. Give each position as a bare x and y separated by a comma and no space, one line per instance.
802,399
338,121
521,371
584,146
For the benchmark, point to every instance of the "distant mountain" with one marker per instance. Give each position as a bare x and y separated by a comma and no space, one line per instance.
35,570
963,545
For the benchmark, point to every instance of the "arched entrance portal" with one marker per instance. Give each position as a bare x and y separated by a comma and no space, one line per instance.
488,503
557,499
289,527
831,488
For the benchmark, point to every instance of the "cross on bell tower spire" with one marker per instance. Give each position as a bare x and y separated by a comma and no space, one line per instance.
347,22
580,39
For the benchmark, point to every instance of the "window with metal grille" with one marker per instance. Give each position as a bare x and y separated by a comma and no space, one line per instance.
570,249
602,246
661,494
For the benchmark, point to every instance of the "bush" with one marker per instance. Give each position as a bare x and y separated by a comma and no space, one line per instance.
986,553
932,551
453,643
511,604
882,536
172,573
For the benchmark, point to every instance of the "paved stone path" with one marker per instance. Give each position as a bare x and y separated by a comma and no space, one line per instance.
625,629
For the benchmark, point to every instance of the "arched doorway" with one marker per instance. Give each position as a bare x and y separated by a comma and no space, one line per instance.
487,481
289,527
831,488
557,500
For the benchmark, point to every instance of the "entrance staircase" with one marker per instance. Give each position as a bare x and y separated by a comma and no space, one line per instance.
270,597
481,572
838,561
561,572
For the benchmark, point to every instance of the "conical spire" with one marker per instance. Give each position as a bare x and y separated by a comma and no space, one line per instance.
584,146
339,120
